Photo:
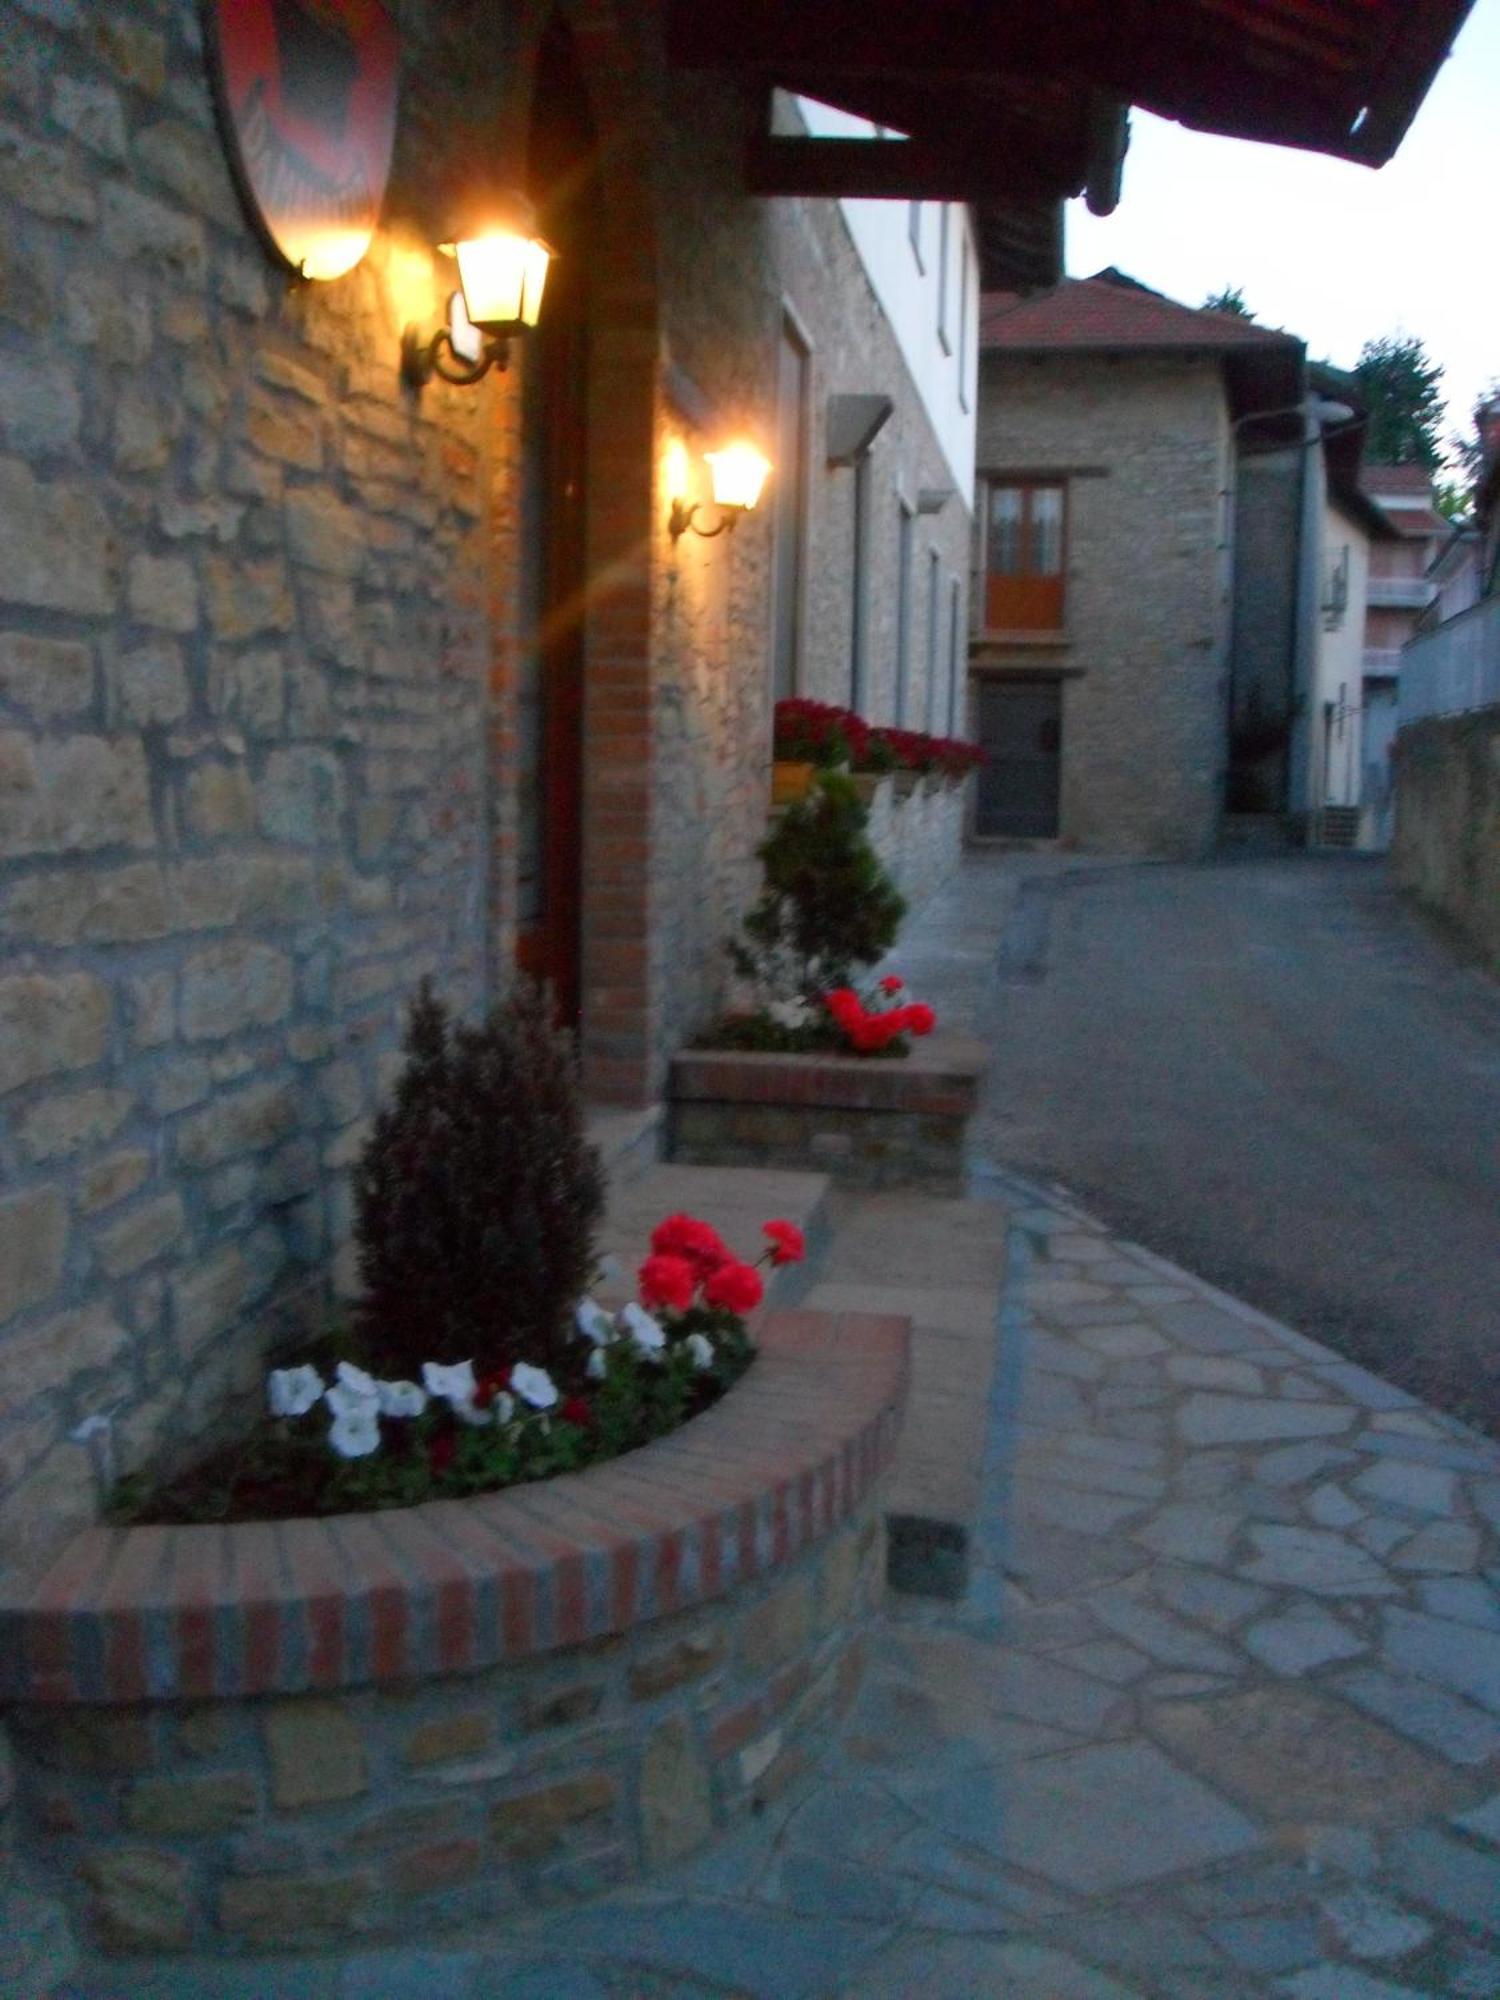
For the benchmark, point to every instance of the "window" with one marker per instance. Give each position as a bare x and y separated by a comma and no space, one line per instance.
1023,564
944,215
859,582
953,645
1336,591
963,323
914,232
934,620
905,525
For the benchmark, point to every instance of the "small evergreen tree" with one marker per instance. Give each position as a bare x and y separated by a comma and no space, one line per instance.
477,1195
1230,300
1400,385
827,906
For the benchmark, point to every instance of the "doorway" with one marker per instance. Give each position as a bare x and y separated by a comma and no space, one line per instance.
1020,784
562,173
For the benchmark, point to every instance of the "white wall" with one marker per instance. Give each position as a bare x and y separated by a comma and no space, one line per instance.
946,377
1338,674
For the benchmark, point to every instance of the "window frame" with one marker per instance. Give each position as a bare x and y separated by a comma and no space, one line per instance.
1026,483
945,218
914,233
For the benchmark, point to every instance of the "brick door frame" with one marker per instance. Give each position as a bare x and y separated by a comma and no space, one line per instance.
617,999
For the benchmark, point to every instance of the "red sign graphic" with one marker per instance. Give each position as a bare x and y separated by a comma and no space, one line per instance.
307,95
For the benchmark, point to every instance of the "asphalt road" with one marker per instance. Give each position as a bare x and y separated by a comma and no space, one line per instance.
1269,1070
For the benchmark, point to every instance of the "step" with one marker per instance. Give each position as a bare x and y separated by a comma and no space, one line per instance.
941,1264
734,1200
628,1138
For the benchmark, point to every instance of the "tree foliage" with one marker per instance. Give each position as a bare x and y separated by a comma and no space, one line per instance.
1230,300
828,905
477,1195
1398,383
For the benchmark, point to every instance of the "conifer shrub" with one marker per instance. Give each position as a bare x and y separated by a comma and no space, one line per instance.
828,905
477,1195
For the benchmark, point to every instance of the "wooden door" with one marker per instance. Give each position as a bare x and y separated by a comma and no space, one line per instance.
1020,727
554,519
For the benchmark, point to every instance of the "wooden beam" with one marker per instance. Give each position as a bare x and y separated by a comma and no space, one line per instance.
902,169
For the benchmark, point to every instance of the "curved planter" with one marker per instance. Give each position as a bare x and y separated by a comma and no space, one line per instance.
871,1123
279,1734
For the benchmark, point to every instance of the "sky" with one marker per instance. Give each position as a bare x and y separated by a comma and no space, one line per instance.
1333,252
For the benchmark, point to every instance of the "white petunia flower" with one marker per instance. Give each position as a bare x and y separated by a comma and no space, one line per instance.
503,1408
354,1394
355,1431
453,1383
702,1350
594,1323
644,1331
291,1392
401,1399
533,1385
598,1365
790,1013
610,1267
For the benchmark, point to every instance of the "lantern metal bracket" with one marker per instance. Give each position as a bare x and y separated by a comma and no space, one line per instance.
422,359
681,519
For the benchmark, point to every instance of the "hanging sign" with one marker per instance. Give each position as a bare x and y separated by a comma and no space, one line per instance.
307,98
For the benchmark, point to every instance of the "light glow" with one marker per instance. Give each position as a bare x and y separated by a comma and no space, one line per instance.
503,274
739,472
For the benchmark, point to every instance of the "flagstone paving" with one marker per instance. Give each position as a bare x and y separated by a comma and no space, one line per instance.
1219,1715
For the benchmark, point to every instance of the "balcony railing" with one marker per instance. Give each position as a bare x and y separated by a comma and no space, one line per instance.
1454,668
1380,662
1398,593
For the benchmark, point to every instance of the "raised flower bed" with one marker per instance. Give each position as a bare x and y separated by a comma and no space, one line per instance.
867,1122
257,1735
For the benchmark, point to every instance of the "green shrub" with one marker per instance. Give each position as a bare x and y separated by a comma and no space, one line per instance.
828,905
477,1194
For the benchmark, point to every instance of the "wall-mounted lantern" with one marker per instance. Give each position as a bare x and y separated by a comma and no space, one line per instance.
502,273
739,472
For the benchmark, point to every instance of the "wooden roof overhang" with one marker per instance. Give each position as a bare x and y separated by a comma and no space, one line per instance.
1015,105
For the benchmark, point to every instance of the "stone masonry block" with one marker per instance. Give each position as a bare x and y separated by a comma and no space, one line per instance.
534,1823
49,678
676,1797
37,1363
59,1126
77,792
689,1659
776,1628
137,1238
283,1910
228,988
447,1737
163,592
140,1898
56,551
195,1805
317,1753
33,1239
149,684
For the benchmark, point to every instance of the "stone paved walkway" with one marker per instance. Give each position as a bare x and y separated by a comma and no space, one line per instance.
1219,1717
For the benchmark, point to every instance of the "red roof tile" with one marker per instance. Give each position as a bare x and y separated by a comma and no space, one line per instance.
1111,311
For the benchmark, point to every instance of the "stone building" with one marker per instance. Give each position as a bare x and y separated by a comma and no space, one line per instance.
278,732
1104,566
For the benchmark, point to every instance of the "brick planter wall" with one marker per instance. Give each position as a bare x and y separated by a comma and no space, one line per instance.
867,1122
278,1735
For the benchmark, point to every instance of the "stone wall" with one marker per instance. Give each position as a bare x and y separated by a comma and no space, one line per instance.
1447,845
389,1813
1144,446
919,834
243,671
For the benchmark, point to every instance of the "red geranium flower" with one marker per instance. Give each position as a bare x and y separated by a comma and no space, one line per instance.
576,1411
693,1241
844,1004
667,1280
788,1245
440,1451
891,984
734,1286
920,1019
